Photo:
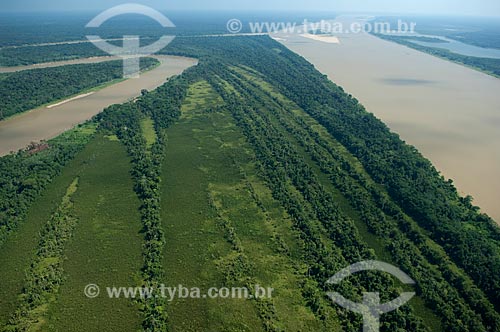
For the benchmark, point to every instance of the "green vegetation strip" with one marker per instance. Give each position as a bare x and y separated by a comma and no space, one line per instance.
211,201
194,242
45,274
345,173
319,218
124,121
28,55
25,175
106,246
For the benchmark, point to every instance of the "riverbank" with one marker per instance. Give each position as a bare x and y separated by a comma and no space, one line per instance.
43,123
449,112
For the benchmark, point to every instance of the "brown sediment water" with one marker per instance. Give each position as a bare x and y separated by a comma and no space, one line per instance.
451,113
45,123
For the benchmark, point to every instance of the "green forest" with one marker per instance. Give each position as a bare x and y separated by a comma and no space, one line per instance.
25,90
38,54
250,168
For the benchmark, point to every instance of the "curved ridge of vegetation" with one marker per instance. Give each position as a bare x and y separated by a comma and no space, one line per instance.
281,165
45,274
470,238
163,105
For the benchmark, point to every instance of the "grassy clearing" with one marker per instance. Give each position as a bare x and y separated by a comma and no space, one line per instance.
193,241
148,131
106,246
17,251
44,276
265,234
201,99
211,187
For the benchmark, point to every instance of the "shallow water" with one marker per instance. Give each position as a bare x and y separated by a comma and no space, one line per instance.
449,112
45,123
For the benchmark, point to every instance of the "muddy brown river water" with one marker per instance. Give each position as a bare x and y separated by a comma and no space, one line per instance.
449,112
47,122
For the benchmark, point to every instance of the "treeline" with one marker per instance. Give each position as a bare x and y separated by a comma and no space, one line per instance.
470,238
445,288
482,32
425,39
27,55
316,214
163,105
45,275
28,89
24,176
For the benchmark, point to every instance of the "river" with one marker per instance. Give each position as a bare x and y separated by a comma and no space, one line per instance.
47,122
454,46
449,112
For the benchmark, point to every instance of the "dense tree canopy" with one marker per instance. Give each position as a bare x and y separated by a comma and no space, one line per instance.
28,89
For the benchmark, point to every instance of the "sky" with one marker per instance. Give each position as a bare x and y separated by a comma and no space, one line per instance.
436,7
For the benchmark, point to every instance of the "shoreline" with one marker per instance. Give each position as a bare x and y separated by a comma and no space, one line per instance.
416,48
70,100
43,123
323,39
87,91
433,108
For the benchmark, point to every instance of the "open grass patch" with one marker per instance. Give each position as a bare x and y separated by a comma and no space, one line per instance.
106,246
16,253
194,243
217,212
148,131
